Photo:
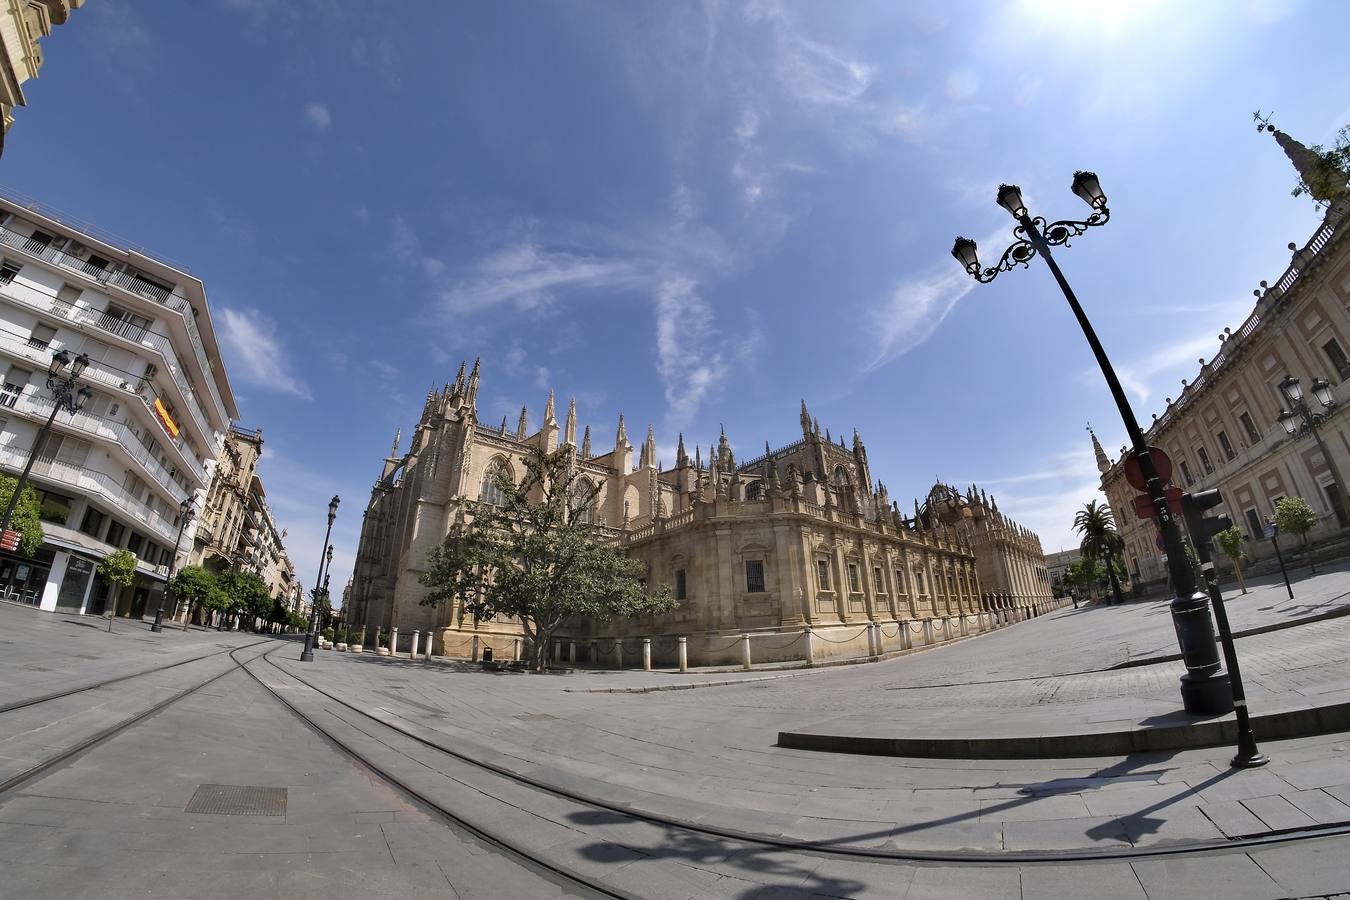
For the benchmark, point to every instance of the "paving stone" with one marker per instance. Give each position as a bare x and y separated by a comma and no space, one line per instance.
1233,819
1278,813
1307,868
948,883
1100,881
1231,876
1320,806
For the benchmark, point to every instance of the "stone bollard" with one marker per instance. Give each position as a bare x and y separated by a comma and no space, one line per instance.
928,632
876,630
646,654
557,651
595,653
393,641
571,653
417,639
515,649
682,644
745,652
810,645
965,627
618,653
906,636
473,649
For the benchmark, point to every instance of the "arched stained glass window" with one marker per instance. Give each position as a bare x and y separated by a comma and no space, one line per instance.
491,492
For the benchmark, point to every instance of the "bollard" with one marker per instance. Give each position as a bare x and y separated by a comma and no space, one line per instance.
1205,690
683,646
473,649
393,641
745,652
571,653
965,627
417,637
595,653
810,645
880,648
515,649
429,645
557,651
906,639
928,631
646,654
618,653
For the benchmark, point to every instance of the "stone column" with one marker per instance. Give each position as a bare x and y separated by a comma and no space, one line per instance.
572,653
473,650
595,653
393,641
906,638
618,653
928,632
515,649
682,648
745,651
810,645
646,654
416,637
841,587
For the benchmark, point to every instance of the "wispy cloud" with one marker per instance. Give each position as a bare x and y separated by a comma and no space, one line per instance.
259,359
1046,499
317,116
691,357
528,277
1140,376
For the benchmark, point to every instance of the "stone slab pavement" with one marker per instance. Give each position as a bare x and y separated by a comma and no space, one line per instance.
710,752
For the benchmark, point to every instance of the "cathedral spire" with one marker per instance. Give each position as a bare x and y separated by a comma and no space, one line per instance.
681,458
548,409
621,434
523,426
503,424
586,444
459,379
806,420
1320,179
471,391
570,429
1102,462
393,451
648,457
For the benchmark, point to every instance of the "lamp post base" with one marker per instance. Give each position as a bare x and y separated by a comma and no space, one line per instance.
1208,696
307,655
1254,761
159,621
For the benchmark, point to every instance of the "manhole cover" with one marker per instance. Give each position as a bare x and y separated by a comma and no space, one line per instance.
237,800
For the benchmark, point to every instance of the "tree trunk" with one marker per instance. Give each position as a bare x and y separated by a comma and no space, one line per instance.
1237,572
1307,551
1115,581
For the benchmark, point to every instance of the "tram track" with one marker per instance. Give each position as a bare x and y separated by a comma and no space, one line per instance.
95,685
702,830
45,765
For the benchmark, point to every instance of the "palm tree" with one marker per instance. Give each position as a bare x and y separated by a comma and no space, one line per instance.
1101,541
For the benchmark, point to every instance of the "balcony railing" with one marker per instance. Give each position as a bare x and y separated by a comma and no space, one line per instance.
97,372
132,282
151,339
91,481
107,429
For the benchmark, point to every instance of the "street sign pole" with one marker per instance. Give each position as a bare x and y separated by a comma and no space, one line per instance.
1273,533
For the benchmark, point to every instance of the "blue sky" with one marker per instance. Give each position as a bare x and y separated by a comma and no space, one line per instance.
691,213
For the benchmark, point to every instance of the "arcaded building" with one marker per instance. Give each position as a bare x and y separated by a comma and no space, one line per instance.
800,548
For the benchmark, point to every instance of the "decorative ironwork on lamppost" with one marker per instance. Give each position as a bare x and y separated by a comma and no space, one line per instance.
1300,419
307,655
1204,689
185,515
65,397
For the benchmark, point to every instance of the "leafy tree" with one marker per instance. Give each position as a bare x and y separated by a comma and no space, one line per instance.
1327,176
247,595
27,518
537,559
1101,541
193,586
1084,575
119,570
1293,515
1230,541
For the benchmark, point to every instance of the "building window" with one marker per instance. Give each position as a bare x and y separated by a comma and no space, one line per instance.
754,576
134,543
1332,349
41,336
491,492
1203,456
1186,473
115,532
15,381
823,574
7,272
853,584
754,490
1249,426
92,523
39,241
899,581
583,500
55,508
1226,445
876,580
123,322
165,556
1255,527
681,585
920,583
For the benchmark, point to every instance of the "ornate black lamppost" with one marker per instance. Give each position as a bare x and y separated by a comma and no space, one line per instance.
1300,419
307,655
184,517
66,397
1203,688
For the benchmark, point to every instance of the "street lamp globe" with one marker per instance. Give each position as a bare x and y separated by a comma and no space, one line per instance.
81,363
332,507
1321,389
84,395
1088,189
1010,198
1291,389
966,255
1289,420
60,359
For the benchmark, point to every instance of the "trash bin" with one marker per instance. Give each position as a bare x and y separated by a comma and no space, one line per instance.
487,654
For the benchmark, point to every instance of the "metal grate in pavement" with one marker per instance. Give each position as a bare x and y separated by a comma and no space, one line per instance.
237,800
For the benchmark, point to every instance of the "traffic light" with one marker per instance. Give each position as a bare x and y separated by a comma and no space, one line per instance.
1203,527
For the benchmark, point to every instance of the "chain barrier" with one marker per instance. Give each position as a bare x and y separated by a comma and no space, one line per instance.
782,646
734,641
884,633
916,630
845,640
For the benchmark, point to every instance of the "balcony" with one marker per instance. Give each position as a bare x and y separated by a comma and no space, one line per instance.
105,429
131,282
138,336
97,372
92,482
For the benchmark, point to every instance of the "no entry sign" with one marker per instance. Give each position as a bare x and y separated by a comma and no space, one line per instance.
1134,474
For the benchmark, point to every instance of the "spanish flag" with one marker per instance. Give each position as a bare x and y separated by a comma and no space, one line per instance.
165,419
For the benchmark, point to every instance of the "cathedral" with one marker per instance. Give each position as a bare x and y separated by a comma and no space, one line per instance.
797,554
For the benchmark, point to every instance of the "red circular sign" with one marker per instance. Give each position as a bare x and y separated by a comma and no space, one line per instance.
1135,475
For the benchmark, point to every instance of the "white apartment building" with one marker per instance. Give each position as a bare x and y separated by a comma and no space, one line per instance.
114,474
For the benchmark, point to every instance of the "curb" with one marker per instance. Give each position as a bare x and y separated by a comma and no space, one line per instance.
1215,733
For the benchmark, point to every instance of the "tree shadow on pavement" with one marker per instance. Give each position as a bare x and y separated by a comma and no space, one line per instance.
777,872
